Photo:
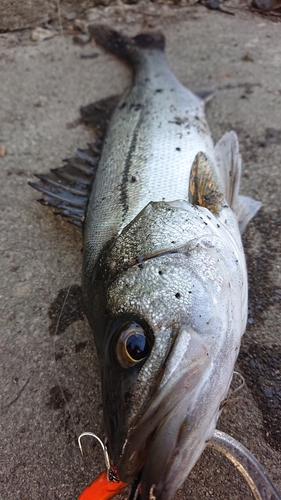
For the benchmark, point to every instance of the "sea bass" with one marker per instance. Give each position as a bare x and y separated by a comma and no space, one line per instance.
164,273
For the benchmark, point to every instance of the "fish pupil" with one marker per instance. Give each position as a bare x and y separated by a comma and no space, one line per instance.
137,346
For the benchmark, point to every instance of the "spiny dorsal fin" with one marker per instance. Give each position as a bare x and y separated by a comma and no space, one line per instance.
68,188
229,167
204,188
98,113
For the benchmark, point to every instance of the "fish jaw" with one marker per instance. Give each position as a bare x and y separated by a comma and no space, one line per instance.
180,417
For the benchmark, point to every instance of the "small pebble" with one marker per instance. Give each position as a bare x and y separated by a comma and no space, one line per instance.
247,57
81,39
39,34
70,16
3,150
81,25
41,101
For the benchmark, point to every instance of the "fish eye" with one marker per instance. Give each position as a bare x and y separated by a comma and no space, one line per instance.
132,345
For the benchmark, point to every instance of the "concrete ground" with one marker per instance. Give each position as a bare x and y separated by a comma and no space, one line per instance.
43,84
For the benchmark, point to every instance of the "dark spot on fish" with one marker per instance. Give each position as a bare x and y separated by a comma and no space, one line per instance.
123,105
177,120
80,346
218,225
159,90
68,307
58,397
136,107
190,291
177,295
141,266
178,149
160,272
133,178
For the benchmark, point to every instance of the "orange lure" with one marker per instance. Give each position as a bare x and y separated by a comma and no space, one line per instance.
102,489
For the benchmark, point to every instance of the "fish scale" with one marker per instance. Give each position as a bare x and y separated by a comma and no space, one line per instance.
154,144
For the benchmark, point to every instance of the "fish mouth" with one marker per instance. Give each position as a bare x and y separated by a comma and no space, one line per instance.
170,436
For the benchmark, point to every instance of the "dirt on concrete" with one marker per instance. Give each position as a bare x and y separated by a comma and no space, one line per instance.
43,85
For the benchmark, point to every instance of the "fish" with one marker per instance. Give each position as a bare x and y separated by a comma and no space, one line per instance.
164,274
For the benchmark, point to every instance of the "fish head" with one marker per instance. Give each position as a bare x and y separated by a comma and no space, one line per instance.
175,298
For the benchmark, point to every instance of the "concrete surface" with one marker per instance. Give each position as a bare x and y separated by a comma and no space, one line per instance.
42,87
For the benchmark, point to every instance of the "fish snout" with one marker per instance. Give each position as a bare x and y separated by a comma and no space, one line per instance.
167,439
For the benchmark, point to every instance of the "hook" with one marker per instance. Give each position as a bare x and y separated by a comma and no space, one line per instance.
111,476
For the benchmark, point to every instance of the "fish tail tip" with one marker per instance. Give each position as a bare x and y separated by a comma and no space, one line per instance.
110,39
153,40
122,46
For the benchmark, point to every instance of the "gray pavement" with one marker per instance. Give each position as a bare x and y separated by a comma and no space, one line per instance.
43,85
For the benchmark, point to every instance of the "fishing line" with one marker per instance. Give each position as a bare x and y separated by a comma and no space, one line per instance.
54,356
243,383
63,74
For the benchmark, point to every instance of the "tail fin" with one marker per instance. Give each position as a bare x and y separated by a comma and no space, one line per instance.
128,49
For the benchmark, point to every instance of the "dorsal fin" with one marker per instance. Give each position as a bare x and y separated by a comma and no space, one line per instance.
204,187
229,167
68,188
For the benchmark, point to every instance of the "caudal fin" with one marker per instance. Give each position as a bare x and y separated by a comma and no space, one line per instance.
128,49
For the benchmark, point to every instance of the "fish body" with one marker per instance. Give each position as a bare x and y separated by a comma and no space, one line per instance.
164,273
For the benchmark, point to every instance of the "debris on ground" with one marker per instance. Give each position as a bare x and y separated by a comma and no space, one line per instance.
3,150
40,34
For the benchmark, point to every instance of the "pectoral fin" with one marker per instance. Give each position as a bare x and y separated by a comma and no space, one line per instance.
204,188
68,188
